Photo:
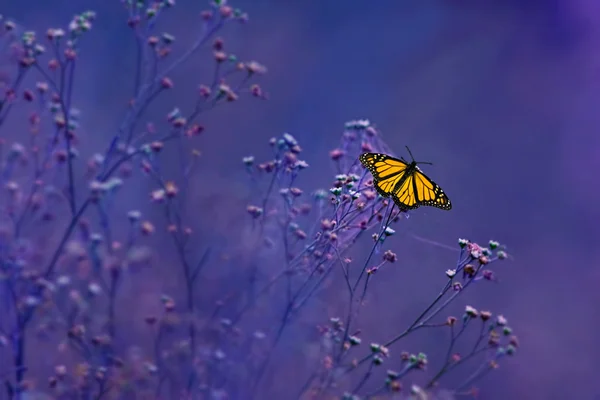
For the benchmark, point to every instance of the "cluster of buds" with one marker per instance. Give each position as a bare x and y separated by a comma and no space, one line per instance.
414,361
475,258
379,352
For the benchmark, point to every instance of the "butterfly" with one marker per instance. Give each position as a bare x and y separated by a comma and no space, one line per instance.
404,181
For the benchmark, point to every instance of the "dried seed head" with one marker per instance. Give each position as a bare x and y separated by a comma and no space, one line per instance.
469,269
485,315
166,83
218,44
336,154
220,56
147,228
471,312
171,189
390,256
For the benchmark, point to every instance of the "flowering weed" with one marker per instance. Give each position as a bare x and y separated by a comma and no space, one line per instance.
66,253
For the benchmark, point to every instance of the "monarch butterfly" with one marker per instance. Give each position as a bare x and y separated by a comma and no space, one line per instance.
404,181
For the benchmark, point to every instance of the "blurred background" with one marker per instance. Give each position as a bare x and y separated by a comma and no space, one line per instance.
501,95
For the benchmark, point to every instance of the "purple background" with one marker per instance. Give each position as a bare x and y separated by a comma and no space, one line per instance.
501,95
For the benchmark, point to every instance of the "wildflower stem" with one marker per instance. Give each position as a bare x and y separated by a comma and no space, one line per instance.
421,320
450,366
364,379
485,368
306,385
72,224
453,339
412,326
49,271
65,83
375,392
68,138
301,303
133,116
112,301
349,317
200,264
264,290
19,349
365,266
292,306
6,108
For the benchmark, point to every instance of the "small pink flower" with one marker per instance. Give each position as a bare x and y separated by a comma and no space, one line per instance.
300,234
231,96
165,51
133,21
194,130
41,87
59,121
61,156
469,269
171,189
34,118
146,167
488,275
179,122
53,65
26,62
327,225
206,15
204,91
70,54
158,195
471,311
218,44
254,67
254,211
226,11
28,95
390,256
166,83
485,315
256,90
336,154
147,228
156,146
220,56
369,194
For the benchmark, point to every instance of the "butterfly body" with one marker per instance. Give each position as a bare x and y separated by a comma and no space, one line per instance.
404,181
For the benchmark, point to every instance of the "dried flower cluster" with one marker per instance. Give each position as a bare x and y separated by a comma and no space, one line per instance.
69,260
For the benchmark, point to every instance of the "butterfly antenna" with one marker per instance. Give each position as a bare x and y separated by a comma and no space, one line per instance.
410,153
418,162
